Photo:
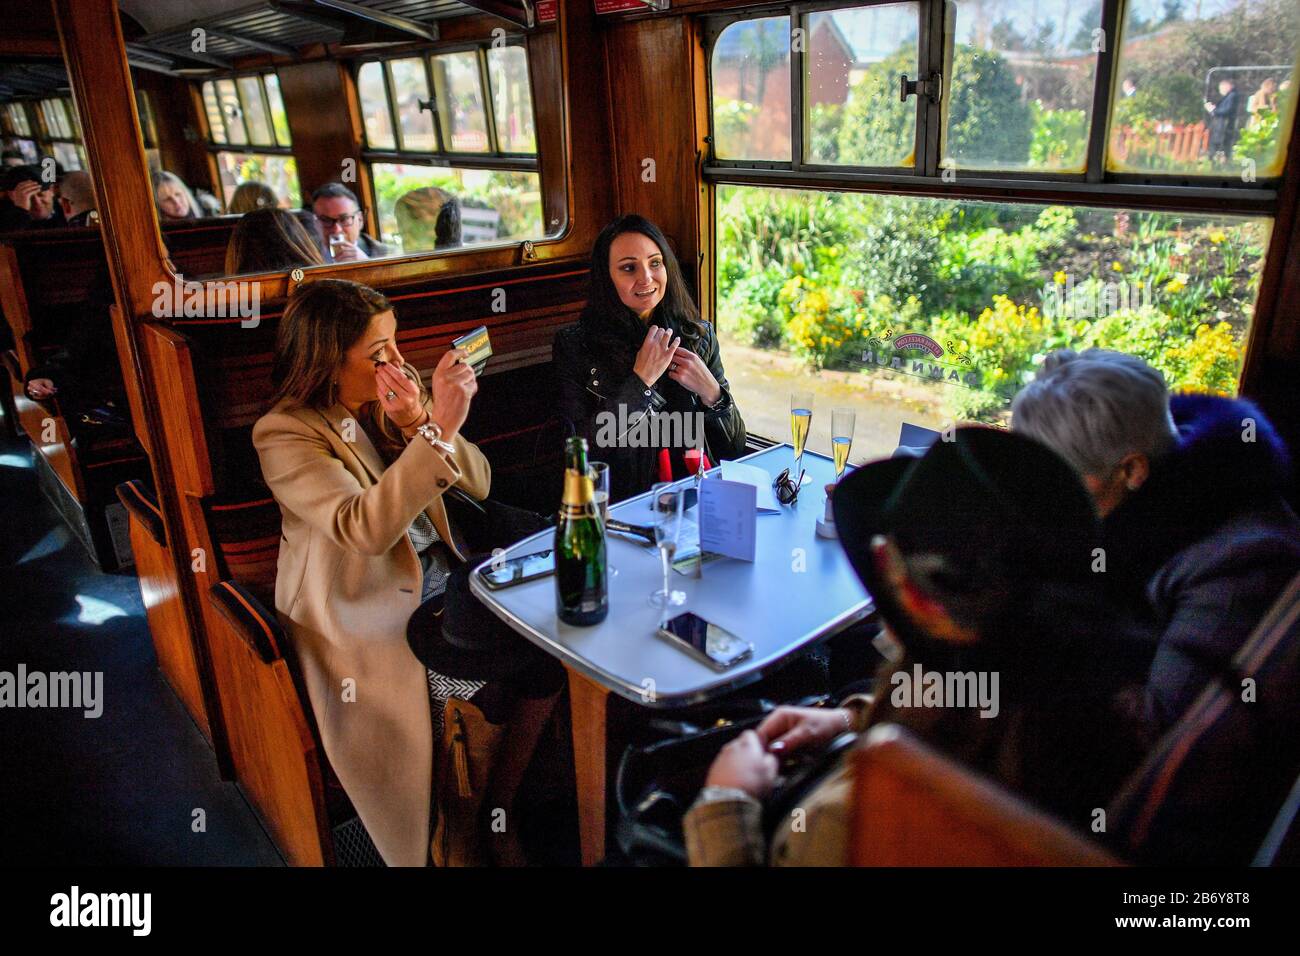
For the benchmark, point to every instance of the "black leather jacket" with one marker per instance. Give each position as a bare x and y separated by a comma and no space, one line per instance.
604,401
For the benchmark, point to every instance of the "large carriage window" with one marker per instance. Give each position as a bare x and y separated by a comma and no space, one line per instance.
247,111
454,125
17,131
858,245
929,311
494,205
1206,88
1021,87
750,86
61,132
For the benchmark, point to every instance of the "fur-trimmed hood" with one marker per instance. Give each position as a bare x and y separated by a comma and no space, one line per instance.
1229,461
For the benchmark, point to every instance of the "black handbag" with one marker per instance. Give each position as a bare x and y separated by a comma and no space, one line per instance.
656,783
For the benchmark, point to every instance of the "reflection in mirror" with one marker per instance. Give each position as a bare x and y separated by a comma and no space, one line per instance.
43,183
352,135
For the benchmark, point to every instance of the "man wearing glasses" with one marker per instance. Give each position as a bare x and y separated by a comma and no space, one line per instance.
341,221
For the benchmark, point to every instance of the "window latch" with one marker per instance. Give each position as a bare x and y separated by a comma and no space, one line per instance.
932,88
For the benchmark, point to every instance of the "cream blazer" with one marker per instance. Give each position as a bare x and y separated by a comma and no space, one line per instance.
347,581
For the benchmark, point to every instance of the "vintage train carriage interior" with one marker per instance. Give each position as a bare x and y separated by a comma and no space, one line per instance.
893,211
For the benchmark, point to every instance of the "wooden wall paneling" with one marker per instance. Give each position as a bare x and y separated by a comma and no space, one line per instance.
1271,369
181,129
165,611
272,751
323,123
13,302
650,92
705,207
275,758
544,75
134,397
169,358
59,452
913,806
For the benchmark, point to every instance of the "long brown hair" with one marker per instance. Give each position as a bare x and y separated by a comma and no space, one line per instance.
321,322
270,240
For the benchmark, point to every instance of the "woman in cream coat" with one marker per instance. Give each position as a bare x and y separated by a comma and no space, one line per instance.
354,451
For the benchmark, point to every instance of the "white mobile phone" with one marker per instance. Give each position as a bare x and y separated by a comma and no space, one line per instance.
709,643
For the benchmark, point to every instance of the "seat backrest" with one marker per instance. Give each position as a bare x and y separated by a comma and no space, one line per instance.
913,806
1210,790
232,376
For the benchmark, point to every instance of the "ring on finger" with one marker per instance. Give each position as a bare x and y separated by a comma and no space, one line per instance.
390,395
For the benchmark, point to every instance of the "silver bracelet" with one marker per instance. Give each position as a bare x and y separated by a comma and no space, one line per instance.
431,432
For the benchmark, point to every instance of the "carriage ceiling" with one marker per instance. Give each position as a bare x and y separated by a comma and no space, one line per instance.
160,33
236,29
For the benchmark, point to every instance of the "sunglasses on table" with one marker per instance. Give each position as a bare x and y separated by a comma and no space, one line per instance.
787,488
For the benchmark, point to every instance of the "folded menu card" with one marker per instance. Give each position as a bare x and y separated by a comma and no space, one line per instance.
728,517
765,499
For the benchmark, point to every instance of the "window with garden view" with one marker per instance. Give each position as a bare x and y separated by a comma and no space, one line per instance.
247,113
455,123
875,248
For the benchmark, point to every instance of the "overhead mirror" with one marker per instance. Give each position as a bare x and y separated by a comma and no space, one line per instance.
300,134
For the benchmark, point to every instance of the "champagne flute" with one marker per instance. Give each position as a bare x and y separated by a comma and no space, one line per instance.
842,422
598,472
668,503
801,409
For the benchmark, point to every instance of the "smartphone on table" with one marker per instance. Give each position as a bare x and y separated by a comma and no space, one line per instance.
517,570
708,643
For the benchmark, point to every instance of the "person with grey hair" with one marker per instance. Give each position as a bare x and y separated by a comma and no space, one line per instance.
1192,490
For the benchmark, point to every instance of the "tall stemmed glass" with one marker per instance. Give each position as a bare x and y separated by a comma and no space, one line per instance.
801,409
842,422
669,506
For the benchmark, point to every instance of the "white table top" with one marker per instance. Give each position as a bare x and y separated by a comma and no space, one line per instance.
799,589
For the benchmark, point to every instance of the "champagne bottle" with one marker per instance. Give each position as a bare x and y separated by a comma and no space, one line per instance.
581,572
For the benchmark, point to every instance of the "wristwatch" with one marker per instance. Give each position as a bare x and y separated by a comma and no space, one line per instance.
431,432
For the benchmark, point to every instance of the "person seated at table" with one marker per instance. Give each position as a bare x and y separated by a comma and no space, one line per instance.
359,458
640,350
1191,490
979,557
77,199
173,198
253,195
428,218
270,240
341,221
31,203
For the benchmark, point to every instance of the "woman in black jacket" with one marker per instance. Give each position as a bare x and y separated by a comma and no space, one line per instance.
640,350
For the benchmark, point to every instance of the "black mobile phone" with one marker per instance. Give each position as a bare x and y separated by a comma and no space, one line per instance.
512,571
710,643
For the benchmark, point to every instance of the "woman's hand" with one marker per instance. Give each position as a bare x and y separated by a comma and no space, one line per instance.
790,729
745,765
403,407
41,388
689,371
655,355
454,384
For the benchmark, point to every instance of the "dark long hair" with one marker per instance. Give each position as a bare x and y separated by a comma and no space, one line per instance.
270,240
607,320
321,322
